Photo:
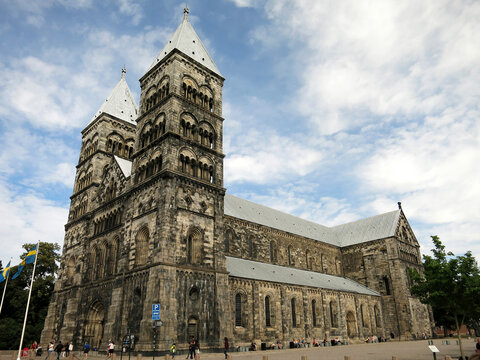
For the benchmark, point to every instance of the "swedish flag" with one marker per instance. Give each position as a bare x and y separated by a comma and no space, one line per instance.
30,258
4,273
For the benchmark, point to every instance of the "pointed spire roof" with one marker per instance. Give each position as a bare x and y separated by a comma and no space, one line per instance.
187,41
120,103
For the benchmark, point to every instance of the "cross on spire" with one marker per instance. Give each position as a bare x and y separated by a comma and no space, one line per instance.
185,13
124,71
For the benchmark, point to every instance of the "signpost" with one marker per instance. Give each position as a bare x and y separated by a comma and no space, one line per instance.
156,323
434,350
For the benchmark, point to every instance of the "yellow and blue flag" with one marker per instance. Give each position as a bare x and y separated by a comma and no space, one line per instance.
4,273
30,258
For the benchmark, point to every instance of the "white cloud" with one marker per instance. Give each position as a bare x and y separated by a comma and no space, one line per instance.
27,218
128,7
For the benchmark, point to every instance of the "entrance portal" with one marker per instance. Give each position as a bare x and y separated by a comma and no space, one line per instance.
94,325
351,325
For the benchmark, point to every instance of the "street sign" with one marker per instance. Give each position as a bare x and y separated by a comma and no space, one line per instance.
155,311
433,349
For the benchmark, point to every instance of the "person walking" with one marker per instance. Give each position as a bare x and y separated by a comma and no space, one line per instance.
86,349
59,349
49,349
226,347
173,350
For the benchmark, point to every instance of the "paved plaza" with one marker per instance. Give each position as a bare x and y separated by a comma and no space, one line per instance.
404,350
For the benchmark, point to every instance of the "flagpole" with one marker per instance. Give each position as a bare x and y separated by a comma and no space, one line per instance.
5,288
28,301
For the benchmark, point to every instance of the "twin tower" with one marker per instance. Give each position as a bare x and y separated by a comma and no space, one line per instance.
150,225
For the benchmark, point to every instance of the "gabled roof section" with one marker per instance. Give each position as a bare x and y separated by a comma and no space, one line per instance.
120,103
187,41
124,165
372,228
259,214
356,232
248,269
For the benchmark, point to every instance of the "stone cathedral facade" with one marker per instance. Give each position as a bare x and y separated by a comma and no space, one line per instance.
150,223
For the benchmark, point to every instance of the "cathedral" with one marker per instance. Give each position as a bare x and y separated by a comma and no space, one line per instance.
155,247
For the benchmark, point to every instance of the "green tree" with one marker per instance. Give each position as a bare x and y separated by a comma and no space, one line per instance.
450,284
13,312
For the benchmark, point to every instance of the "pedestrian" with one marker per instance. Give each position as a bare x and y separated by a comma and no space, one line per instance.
111,349
70,349
477,345
86,349
191,348
226,347
173,350
59,349
49,349
197,349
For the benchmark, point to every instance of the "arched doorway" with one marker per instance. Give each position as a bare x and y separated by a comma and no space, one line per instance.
94,324
351,325
192,327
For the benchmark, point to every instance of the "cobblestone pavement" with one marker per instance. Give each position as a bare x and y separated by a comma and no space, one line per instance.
405,350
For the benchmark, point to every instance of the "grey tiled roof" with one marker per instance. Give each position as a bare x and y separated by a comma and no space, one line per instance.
125,165
248,269
376,227
120,103
187,41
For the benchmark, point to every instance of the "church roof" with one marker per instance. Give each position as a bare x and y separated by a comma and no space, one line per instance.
187,41
372,228
120,103
248,269
125,165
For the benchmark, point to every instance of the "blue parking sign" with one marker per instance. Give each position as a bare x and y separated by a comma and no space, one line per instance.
155,307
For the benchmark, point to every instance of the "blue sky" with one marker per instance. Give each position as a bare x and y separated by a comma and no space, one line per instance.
334,110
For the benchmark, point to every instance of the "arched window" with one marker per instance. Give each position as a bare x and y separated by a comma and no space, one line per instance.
289,255
387,285
308,260
250,247
194,247
314,313
267,311
333,314
228,237
294,314
272,249
238,310
362,315
141,247
377,316
192,328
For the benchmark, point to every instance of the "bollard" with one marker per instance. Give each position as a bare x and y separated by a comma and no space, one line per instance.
167,357
265,357
304,357
139,356
448,357
347,357
394,358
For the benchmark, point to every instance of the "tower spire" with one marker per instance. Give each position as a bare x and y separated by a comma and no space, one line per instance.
124,71
185,13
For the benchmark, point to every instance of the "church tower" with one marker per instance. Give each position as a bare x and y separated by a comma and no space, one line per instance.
178,166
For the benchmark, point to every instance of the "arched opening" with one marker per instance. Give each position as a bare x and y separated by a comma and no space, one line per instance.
194,247
333,314
141,247
386,282
267,311
351,325
70,270
238,310
289,255
272,251
314,313
94,325
294,313
377,316
192,327
250,247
